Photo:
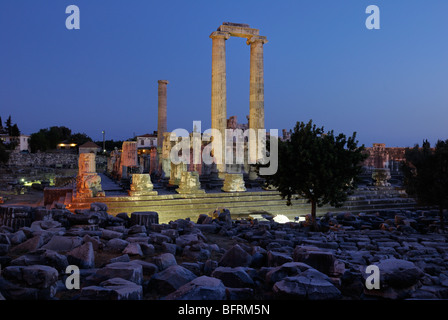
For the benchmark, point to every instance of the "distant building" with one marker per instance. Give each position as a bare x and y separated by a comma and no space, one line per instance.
146,141
380,156
22,141
89,147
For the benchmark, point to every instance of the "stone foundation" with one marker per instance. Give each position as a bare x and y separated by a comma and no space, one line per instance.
233,182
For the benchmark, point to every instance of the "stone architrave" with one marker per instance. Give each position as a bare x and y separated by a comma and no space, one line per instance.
189,183
88,182
234,182
141,185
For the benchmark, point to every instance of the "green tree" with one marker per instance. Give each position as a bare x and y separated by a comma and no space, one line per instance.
49,138
8,125
4,154
79,138
426,175
15,132
39,141
56,135
317,165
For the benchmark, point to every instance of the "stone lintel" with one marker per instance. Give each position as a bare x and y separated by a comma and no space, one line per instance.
239,31
253,39
219,34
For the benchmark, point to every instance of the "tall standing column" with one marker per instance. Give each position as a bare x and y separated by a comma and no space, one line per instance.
161,120
256,97
219,93
256,112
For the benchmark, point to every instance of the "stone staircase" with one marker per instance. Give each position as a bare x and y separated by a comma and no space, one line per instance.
243,204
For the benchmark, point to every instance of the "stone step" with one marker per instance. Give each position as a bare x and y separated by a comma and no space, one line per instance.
168,211
241,204
200,203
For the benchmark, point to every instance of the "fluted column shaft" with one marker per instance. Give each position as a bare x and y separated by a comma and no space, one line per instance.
256,100
161,120
219,91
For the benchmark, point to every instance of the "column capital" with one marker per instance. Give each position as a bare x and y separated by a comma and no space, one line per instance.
163,81
220,35
256,39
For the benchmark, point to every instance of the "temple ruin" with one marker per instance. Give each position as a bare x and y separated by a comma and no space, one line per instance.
219,82
151,181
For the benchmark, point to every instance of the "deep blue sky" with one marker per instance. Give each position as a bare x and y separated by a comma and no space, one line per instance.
321,63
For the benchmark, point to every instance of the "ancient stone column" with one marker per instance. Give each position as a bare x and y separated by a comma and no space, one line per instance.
176,173
86,163
219,92
256,99
88,182
165,156
128,157
161,120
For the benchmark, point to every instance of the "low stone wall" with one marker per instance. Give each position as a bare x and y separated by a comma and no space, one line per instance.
53,160
54,194
43,160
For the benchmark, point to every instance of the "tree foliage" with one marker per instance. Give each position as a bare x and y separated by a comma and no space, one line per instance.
49,138
426,175
318,166
4,154
10,129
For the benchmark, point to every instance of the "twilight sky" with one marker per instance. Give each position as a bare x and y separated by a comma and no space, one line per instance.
321,63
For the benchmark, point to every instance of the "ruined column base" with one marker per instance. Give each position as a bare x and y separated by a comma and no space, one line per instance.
233,182
189,183
89,186
141,186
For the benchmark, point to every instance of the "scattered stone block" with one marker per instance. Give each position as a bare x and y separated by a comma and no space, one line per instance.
235,257
233,277
165,260
200,288
171,279
83,256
